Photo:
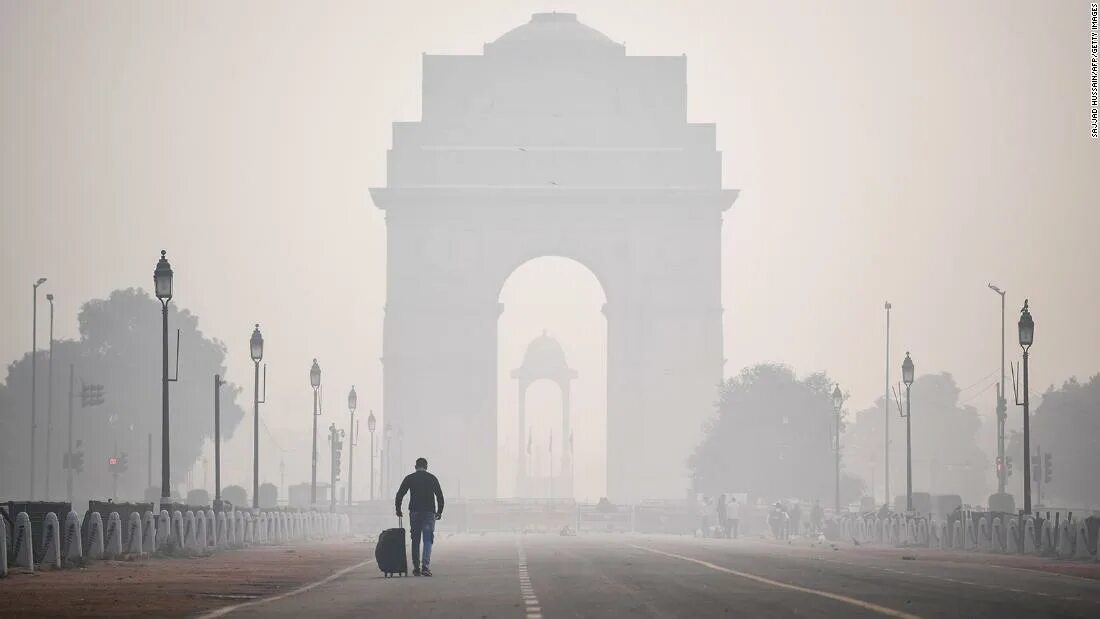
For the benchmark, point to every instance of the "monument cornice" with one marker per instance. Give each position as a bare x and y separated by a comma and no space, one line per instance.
387,198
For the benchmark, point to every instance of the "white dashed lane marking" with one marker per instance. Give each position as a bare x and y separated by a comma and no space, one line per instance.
530,600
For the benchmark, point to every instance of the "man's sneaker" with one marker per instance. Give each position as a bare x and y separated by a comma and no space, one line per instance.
426,572
416,571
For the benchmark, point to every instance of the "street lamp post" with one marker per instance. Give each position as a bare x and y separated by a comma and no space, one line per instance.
907,378
335,437
34,375
162,281
371,423
886,409
315,381
353,402
218,382
256,348
49,402
838,402
1026,328
1002,404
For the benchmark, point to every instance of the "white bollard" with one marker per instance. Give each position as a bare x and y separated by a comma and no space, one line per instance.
221,531
51,541
261,528
114,536
971,535
957,535
133,545
238,528
1081,543
95,536
1030,547
72,548
189,542
149,533
1047,545
1012,536
178,536
998,535
1065,541
164,531
249,534
200,533
23,542
211,540
983,534
3,550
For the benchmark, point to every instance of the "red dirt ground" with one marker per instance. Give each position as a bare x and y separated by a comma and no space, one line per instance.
172,587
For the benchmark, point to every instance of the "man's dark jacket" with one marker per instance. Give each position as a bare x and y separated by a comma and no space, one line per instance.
424,489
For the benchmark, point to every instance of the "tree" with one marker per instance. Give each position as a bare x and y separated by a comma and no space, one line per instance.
236,495
119,348
1066,424
947,458
772,436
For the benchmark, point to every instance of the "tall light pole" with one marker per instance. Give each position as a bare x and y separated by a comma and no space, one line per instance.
218,382
838,402
353,401
371,423
1002,405
907,378
886,408
162,281
1026,328
49,402
315,382
34,376
256,348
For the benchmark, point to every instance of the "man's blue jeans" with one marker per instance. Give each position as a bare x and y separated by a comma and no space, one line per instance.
422,524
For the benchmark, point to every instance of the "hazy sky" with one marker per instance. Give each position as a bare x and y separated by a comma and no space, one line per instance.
910,151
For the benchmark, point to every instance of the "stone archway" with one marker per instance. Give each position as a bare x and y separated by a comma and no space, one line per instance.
554,142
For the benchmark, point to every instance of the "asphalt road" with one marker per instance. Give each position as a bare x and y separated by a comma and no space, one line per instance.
621,576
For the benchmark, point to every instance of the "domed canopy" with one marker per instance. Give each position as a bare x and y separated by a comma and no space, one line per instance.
544,359
560,29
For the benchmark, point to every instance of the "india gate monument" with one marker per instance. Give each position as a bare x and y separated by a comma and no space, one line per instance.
553,142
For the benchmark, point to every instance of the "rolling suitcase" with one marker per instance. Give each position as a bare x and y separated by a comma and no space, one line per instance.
389,554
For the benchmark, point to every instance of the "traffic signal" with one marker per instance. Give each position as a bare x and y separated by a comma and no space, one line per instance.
123,463
1048,467
1000,465
77,461
112,464
1008,466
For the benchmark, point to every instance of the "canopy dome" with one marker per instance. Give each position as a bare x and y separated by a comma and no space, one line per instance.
556,29
544,358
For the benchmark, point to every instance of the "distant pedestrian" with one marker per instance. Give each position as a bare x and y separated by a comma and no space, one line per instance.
424,491
723,516
733,514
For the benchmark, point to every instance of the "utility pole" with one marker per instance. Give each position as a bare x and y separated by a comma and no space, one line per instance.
69,472
34,375
1002,404
149,464
49,403
886,408
218,382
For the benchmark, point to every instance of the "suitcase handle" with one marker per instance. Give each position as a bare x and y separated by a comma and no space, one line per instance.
400,522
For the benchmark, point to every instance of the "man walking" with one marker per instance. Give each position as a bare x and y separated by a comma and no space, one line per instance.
424,490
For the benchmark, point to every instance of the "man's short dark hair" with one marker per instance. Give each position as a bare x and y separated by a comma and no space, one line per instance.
421,463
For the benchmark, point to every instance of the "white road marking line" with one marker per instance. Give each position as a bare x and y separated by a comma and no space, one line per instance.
889,612
221,612
530,600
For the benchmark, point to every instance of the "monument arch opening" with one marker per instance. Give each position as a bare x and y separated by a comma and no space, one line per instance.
554,141
552,386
